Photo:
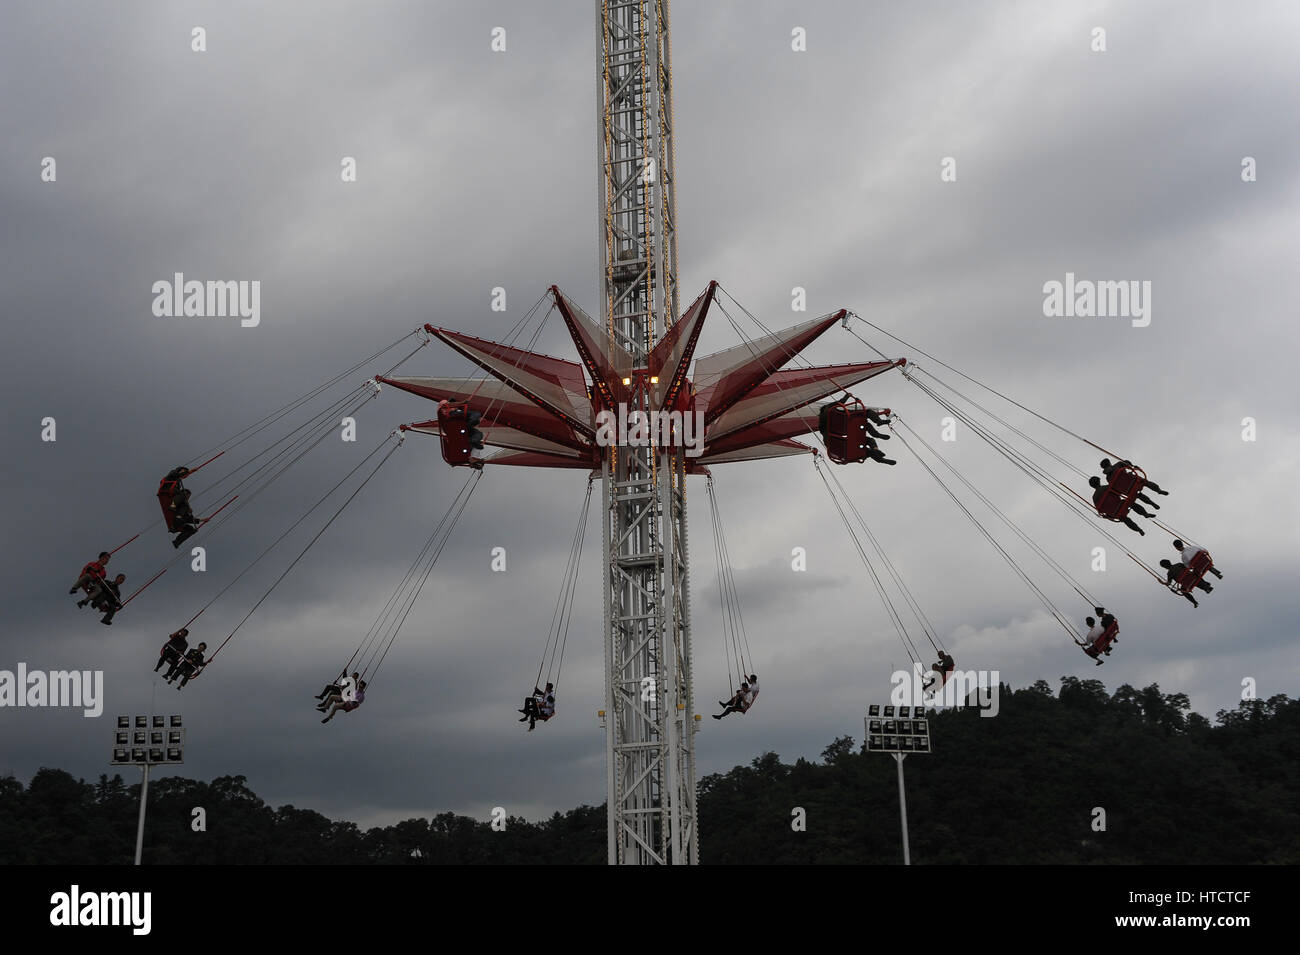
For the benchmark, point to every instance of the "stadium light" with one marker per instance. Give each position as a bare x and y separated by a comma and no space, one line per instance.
900,734
146,741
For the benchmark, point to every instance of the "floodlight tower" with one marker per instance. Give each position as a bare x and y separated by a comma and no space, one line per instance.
650,748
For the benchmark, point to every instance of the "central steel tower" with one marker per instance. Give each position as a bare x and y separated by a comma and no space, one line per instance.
650,747
749,402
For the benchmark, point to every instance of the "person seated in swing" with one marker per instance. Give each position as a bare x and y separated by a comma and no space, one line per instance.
180,495
1092,642
347,706
942,670
1189,552
737,704
1099,494
188,527
536,706
339,692
546,708
753,692
173,651
1174,571
334,691
182,519
1107,467
90,574
191,665
1140,496
108,598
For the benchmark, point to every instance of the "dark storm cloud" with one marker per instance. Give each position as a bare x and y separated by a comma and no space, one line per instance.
816,169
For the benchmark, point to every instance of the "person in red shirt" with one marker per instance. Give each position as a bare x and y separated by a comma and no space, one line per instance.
89,574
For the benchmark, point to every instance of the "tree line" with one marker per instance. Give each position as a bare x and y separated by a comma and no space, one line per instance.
1074,777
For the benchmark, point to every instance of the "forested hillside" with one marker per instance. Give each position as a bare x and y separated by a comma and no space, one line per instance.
1023,787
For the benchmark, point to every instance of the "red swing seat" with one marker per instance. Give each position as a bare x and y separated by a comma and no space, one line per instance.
453,425
1126,483
1104,641
166,495
1192,573
844,428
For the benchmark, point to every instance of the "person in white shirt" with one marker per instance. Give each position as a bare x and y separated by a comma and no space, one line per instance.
737,704
753,693
1096,629
1189,552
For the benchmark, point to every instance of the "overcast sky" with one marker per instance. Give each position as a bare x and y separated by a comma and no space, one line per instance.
818,169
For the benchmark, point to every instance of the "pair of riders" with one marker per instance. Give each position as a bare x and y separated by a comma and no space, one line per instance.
184,663
869,439
1096,642
1175,569
1101,490
334,698
102,594
539,706
742,700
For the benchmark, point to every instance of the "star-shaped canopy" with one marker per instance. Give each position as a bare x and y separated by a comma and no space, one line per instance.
542,411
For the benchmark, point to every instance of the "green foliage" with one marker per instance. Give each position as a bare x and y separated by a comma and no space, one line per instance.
1020,787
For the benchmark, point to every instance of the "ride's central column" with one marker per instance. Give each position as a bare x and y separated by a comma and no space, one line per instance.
649,744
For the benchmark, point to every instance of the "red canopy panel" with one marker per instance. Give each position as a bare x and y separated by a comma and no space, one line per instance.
801,421
784,391
505,437
671,357
607,362
550,383
533,459
723,378
774,449
500,405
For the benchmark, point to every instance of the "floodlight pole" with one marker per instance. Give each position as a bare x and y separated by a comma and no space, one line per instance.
902,807
144,796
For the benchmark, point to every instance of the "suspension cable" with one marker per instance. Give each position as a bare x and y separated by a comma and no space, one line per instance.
276,415
1075,504
1011,561
558,633
573,586
310,543
450,521
975,382
735,639
1047,558
892,612
287,531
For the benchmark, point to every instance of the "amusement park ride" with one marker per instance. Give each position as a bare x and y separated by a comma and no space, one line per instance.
638,358
677,415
